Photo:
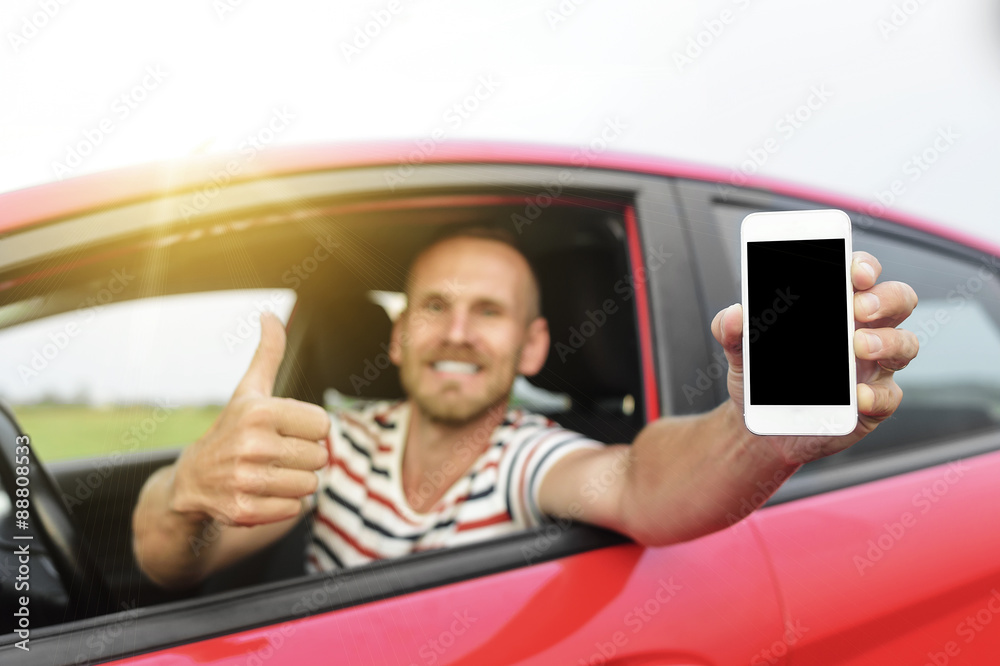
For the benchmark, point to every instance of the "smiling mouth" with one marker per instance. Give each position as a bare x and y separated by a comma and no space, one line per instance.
456,367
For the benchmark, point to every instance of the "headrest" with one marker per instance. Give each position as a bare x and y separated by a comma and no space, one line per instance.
360,367
344,346
588,304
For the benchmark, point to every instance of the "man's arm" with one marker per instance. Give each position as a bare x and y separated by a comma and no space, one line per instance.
689,476
179,550
240,487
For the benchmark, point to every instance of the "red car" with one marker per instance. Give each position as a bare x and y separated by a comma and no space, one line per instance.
884,554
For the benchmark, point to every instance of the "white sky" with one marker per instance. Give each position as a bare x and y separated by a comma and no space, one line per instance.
227,64
202,75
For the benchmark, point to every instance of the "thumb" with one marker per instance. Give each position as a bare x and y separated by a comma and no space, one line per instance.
727,327
263,370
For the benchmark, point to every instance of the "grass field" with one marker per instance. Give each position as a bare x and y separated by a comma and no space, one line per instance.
59,432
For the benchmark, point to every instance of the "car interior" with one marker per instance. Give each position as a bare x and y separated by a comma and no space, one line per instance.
576,247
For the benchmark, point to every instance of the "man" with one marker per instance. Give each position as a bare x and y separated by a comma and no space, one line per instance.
452,464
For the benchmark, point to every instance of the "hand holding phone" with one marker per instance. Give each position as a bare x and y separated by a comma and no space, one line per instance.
798,318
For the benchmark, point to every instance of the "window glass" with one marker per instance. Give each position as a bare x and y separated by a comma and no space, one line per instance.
133,375
952,388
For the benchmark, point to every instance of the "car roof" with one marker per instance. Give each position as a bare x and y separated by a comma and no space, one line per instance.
49,202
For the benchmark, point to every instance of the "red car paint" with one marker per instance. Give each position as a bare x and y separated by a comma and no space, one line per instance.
54,201
898,571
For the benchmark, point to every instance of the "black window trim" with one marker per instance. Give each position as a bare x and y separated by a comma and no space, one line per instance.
697,200
160,627
148,629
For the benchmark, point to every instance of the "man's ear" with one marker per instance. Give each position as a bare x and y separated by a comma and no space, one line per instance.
398,337
535,349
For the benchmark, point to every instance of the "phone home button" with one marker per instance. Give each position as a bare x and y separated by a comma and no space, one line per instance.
802,420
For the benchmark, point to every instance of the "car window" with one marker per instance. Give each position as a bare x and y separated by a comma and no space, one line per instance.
134,375
952,388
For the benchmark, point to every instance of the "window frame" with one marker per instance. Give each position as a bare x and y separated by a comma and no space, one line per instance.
656,222
719,283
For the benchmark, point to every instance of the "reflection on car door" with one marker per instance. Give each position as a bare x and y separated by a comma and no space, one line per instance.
903,571
708,601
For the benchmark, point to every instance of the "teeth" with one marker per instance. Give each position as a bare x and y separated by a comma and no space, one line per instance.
457,367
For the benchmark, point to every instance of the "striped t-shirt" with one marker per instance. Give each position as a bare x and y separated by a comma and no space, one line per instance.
360,513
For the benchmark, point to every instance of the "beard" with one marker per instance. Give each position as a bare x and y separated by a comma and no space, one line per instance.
449,404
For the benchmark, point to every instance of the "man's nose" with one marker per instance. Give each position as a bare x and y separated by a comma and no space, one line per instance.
457,331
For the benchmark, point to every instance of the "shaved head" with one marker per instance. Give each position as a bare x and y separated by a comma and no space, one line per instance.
471,325
532,292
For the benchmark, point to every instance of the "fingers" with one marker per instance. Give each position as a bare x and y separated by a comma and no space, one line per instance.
865,270
303,420
301,454
274,481
285,416
260,376
885,304
250,510
879,399
287,452
892,348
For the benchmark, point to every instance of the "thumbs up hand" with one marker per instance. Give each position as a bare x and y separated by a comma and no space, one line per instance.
257,460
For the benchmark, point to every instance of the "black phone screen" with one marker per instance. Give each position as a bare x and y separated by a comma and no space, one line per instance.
799,350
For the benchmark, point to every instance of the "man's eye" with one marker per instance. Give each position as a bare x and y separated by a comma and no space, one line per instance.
434,306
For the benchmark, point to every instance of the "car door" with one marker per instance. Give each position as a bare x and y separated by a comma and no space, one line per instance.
563,593
886,553
709,601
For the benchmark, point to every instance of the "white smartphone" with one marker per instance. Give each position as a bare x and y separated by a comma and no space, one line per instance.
798,323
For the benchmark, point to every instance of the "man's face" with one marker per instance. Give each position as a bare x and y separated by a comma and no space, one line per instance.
468,330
